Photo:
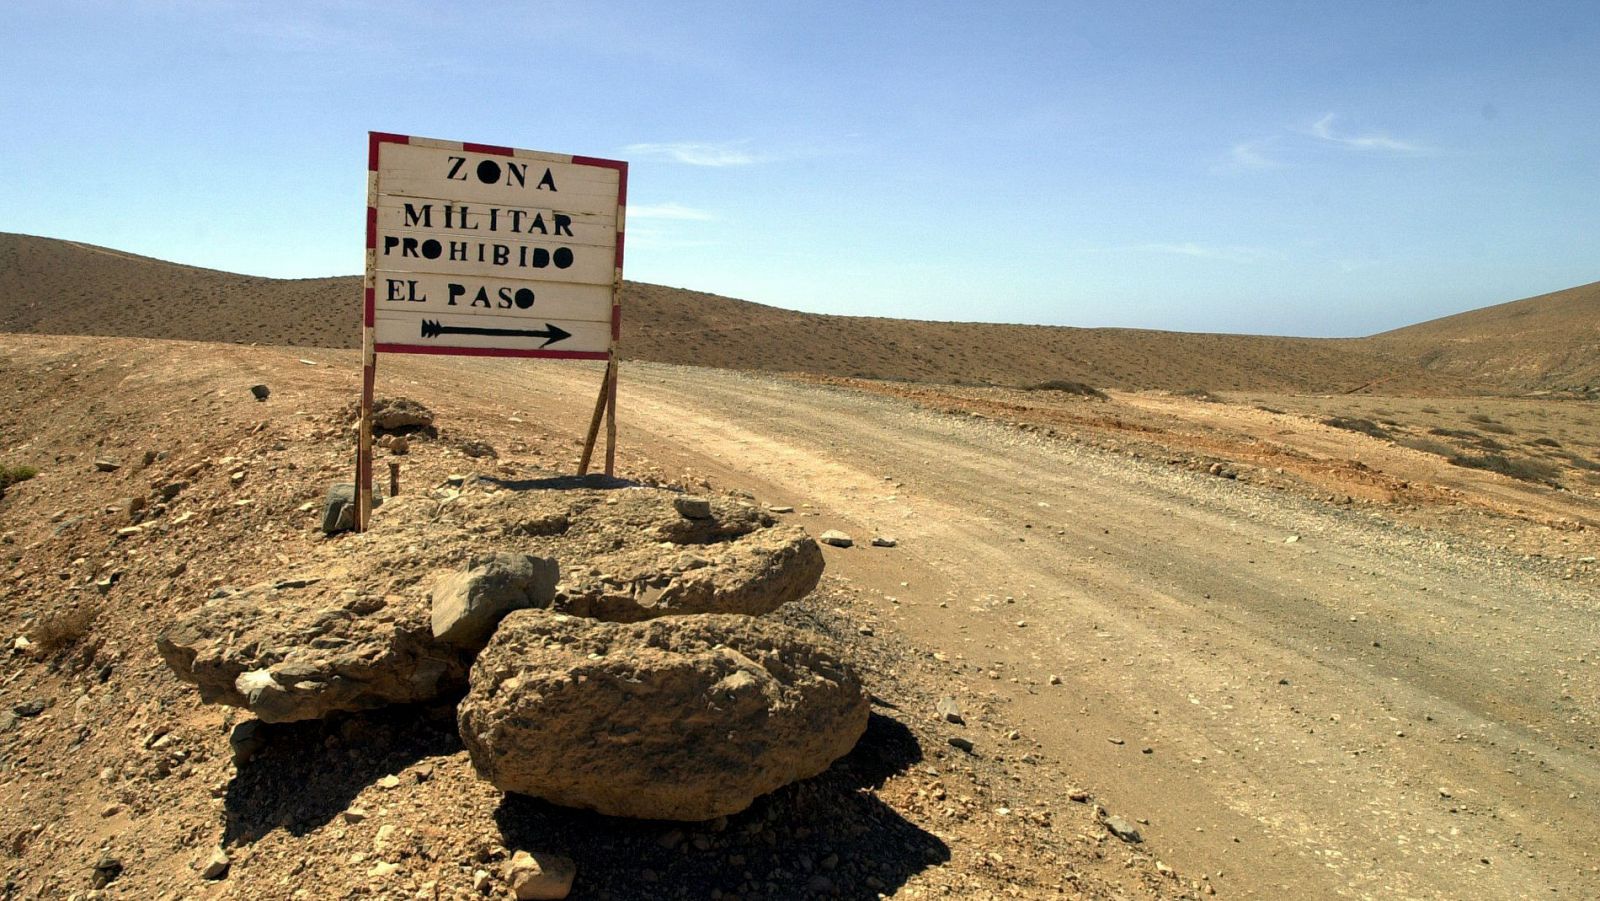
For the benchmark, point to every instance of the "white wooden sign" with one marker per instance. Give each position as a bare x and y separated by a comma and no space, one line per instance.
490,251
483,250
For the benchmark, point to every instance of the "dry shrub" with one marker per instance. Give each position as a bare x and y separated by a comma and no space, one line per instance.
63,626
1527,470
1069,387
1427,446
11,475
1364,426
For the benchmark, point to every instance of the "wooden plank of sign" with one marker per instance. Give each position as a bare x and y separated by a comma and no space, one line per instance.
415,216
406,329
430,295
419,171
588,266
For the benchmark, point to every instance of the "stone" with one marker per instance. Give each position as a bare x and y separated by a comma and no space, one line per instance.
216,866
467,605
304,653
754,573
836,538
884,541
949,711
961,744
106,464
353,815
680,718
400,414
1122,829
105,871
30,708
246,740
692,507
260,392
540,875
338,509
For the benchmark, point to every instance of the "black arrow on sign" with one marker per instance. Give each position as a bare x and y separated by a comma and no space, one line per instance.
551,333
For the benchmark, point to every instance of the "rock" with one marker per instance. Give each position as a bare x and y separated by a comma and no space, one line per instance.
481,881
390,782
399,414
305,653
338,509
106,464
1122,829
949,711
8,721
247,739
753,574
260,392
961,744
682,718
383,869
1055,679
884,541
468,605
217,866
540,875
30,708
781,509
692,507
836,538
479,449
105,871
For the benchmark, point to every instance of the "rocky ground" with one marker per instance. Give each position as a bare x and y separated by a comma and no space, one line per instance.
164,483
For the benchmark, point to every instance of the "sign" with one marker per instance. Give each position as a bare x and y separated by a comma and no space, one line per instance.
491,251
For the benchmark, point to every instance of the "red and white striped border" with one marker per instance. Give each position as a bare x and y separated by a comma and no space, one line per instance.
375,140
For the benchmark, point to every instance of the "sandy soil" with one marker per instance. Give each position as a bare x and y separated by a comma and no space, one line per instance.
1333,680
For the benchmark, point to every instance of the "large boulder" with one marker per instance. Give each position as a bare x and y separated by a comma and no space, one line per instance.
288,651
680,718
468,604
754,573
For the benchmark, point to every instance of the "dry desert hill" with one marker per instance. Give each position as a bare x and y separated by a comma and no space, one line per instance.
1270,616
50,286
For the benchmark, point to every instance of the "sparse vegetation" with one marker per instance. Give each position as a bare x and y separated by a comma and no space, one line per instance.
11,475
1526,470
1364,426
1427,446
62,627
1069,387
1199,394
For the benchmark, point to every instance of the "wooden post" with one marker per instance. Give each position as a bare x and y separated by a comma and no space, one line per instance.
611,419
369,365
600,405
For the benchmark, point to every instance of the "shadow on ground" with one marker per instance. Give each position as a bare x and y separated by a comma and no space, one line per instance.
825,837
308,773
561,483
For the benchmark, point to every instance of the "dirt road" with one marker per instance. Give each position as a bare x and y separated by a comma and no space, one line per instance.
1296,696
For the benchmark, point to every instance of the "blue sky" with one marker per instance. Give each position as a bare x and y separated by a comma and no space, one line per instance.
1324,168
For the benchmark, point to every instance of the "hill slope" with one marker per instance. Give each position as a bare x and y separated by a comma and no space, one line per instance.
1549,341
49,286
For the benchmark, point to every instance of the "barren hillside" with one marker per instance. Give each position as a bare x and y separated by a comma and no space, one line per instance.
49,286
1551,341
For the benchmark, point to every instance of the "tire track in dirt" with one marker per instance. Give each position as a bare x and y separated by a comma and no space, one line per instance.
1422,726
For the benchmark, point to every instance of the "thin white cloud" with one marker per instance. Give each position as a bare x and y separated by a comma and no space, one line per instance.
1253,154
697,154
1224,253
1322,130
675,211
